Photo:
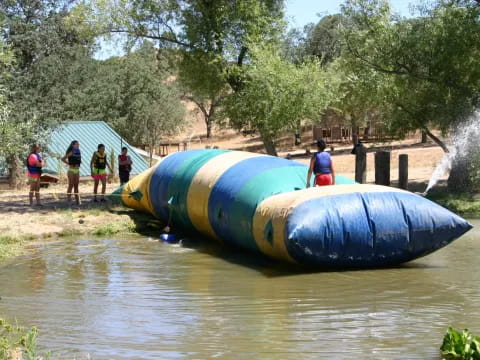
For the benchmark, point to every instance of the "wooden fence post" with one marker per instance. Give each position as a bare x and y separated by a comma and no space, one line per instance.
403,171
382,168
361,164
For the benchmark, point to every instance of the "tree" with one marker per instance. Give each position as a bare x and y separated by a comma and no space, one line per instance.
163,118
134,94
430,63
322,41
358,94
40,77
10,136
277,95
203,84
212,37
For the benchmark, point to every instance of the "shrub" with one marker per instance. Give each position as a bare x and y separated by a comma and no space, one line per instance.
460,345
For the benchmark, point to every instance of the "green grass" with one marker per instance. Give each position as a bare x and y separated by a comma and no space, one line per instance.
106,230
95,211
461,204
116,223
18,342
113,228
69,232
66,212
10,246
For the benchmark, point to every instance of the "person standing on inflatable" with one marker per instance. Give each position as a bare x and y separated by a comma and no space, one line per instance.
124,166
98,164
73,158
321,165
34,171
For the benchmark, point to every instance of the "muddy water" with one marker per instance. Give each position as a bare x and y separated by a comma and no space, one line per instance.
140,299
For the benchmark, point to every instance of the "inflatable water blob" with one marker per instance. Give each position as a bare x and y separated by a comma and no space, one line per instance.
260,203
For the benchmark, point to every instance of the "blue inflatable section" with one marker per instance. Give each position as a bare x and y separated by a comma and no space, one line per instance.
161,178
369,229
228,211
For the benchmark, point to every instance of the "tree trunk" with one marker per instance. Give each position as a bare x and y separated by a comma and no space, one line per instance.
269,145
437,141
382,168
361,164
355,129
459,178
113,165
209,127
424,137
151,149
16,172
298,139
403,171
211,117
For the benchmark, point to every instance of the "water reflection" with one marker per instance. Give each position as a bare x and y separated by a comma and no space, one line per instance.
141,299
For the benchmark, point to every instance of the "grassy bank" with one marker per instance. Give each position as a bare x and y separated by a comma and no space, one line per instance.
17,342
21,231
466,205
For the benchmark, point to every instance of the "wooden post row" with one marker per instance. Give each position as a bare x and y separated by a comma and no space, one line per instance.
382,168
361,165
403,171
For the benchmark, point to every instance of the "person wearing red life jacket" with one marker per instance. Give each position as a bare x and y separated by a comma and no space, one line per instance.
34,171
124,166
321,165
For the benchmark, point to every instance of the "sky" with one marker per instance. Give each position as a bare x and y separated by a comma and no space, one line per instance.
298,13
302,12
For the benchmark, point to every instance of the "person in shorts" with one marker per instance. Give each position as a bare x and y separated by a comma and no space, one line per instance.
99,165
321,165
34,172
124,166
73,158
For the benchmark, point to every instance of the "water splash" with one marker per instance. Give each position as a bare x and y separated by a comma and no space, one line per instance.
444,166
464,138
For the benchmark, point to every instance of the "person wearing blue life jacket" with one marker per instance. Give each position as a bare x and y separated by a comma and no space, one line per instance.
73,158
321,165
34,172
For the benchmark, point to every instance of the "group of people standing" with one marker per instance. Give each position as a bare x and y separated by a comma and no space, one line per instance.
320,165
73,159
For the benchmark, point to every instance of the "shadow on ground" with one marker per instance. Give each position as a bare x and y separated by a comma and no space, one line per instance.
18,203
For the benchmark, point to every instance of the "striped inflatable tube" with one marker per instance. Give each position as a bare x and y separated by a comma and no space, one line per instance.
259,202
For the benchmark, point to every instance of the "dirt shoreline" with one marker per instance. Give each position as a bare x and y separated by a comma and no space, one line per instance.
23,226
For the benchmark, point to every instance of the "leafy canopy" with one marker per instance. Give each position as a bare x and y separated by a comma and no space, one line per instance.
277,95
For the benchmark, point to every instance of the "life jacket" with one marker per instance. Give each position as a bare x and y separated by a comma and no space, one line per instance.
100,160
75,158
34,170
125,168
323,163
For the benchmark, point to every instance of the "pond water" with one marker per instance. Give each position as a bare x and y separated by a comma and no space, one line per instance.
142,299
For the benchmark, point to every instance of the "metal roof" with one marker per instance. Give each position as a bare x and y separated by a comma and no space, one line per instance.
89,134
